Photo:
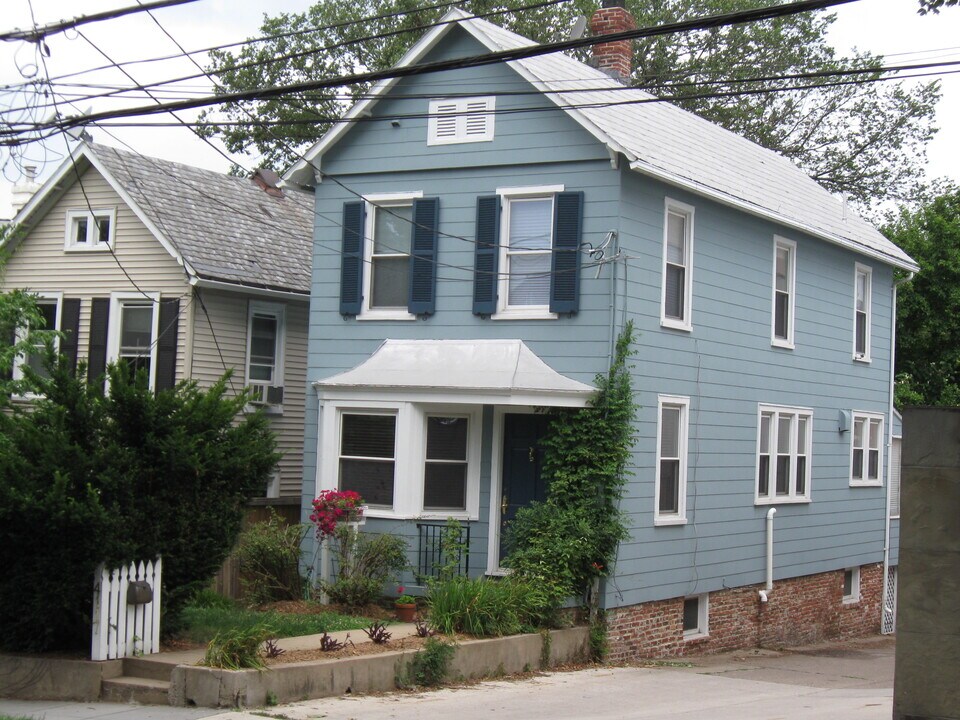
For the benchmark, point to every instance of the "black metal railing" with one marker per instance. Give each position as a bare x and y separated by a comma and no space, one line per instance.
430,550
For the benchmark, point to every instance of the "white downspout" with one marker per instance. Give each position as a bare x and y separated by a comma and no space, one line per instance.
764,594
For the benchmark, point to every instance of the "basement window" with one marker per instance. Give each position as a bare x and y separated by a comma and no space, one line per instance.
696,614
851,585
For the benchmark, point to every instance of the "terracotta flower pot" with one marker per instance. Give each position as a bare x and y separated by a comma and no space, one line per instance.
406,612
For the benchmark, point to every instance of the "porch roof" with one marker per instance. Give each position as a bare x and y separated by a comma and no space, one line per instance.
504,372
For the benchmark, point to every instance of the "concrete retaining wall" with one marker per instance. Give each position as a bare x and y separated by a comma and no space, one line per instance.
41,678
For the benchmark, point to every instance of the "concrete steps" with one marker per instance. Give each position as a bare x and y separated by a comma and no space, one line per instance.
136,689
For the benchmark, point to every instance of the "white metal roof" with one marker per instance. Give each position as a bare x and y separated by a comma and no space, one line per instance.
479,371
660,140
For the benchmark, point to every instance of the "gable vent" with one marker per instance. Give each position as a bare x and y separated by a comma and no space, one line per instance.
460,121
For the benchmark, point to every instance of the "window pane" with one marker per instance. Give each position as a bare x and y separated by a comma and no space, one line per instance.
392,230
135,363
676,239
765,432
446,438
874,434
873,471
847,583
136,328
529,279
48,311
390,280
801,435
80,231
783,269
669,486
763,486
368,436
858,433
781,315
445,486
670,432
531,224
674,292
861,291
263,347
691,614
858,464
373,479
783,433
103,229
861,333
783,474
801,475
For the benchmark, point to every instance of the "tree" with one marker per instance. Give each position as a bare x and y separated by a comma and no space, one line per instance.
928,307
933,6
863,139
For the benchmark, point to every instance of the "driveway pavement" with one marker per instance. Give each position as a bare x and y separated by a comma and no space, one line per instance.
852,680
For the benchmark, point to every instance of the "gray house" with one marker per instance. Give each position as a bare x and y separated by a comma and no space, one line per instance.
482,236
182,271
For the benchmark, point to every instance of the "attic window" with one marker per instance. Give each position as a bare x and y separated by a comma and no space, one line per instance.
461,120
90,229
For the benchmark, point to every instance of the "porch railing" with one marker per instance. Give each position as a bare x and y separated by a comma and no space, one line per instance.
430,555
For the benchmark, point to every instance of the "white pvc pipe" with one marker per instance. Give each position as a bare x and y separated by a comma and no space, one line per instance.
770,513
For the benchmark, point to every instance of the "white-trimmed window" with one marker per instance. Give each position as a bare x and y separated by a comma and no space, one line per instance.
50,306
461,120
862,300
866,456
671,477
406,459
784,446
696,616
677,294
851,585
90,230
526,247
386,268
133,331
784,291
265,342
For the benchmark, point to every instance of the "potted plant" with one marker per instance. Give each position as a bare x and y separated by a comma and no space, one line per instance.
406,607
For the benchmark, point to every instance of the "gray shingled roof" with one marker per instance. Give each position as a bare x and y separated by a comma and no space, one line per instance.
226,228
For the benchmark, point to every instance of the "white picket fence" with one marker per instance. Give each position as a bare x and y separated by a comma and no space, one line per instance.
121,629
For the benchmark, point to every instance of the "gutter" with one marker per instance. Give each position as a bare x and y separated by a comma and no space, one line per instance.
207,284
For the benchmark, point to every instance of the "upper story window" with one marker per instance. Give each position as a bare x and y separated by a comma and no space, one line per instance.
90,230
133,332
862,310
528,253
784,444
866,458
461,120
265,341
671,479
389,256
784,291
50,307
675,309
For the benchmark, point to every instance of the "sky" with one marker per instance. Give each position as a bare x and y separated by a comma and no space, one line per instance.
889,27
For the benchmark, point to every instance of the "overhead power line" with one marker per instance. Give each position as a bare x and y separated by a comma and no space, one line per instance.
714,21
38,33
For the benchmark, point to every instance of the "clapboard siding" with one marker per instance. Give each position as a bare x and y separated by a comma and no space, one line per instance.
220,344
40,263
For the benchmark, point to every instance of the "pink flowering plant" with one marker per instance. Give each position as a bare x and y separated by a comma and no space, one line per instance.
332,507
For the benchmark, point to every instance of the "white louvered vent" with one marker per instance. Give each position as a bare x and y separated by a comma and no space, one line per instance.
460,121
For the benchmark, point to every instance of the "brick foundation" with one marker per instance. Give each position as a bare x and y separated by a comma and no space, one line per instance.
799,611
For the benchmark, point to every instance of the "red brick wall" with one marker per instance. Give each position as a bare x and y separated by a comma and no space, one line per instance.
799,611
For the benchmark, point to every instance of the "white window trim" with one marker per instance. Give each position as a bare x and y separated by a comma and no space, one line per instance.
68,241
117,300
868,271
519,312
703,618
867,417
773,498
788,342
460,114
21,334
374,201
854,596
686,322
409,455
680,517
278,310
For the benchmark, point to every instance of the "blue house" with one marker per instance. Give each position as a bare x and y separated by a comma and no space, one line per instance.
483,234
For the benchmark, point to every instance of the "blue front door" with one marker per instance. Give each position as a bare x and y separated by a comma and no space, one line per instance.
522,464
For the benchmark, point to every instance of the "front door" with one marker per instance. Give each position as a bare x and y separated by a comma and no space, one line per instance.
521,482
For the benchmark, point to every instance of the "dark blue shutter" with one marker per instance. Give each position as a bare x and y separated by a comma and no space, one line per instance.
351,259
487,255
423,256
565,268
166,376
70,326
97,350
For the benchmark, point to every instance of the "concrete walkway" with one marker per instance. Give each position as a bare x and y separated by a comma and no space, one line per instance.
852,680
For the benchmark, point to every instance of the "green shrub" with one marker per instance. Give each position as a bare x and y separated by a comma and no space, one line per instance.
431,664
487,607
269,557
237,649
211,599
365,562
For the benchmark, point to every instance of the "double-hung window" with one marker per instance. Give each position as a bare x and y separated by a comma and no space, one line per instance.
461,120
862,310
528,243
675,308
389,226
133,326
784,291
49,306
866,458
784,444
265,340
367,456
671,477
445,464
90,229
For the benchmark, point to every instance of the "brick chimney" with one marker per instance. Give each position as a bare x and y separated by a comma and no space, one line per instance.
614,58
